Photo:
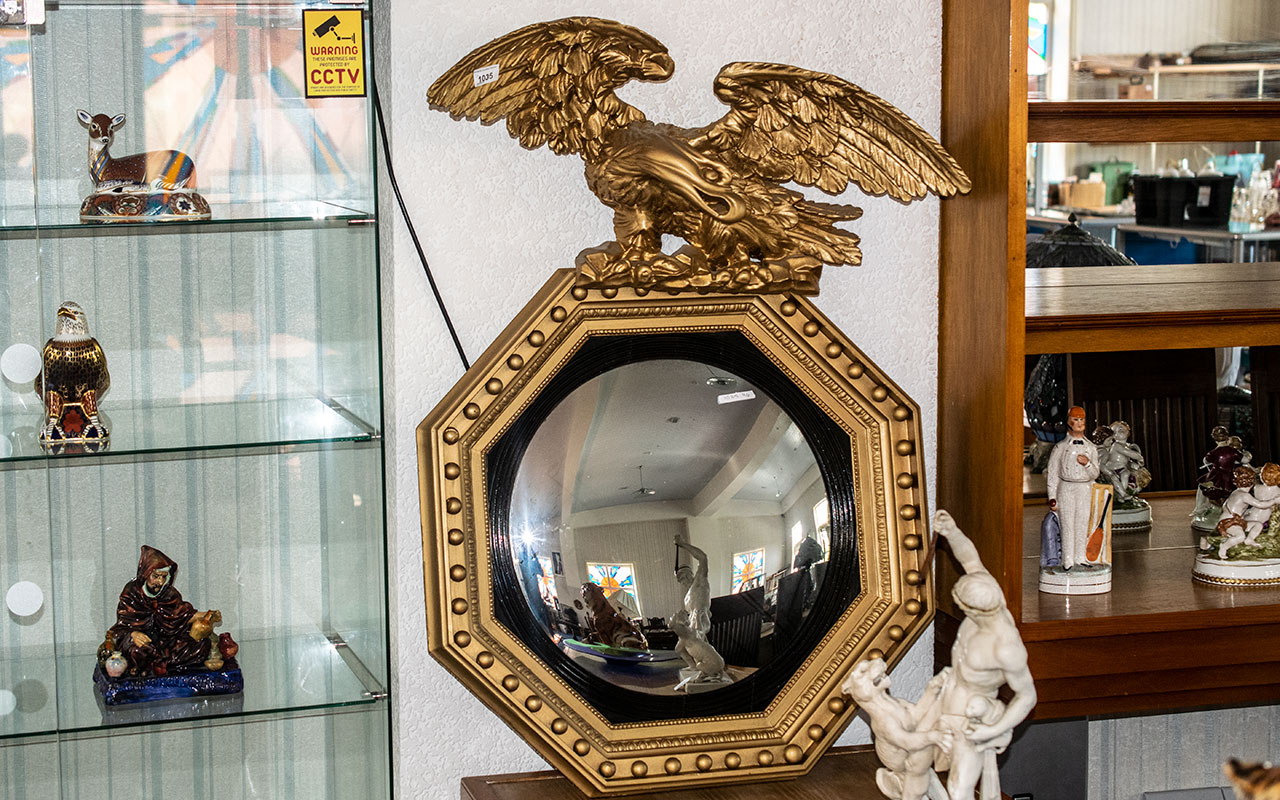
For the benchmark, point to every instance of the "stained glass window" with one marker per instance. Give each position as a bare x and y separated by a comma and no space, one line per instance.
1037,38
614,579
547,580
748,570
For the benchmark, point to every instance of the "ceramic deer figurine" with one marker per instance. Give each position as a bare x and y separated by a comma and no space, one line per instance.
162,170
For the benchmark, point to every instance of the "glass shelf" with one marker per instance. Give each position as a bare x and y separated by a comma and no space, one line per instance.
64,219
300,673
157,429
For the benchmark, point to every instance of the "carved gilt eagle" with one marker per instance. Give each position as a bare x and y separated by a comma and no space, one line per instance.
718,187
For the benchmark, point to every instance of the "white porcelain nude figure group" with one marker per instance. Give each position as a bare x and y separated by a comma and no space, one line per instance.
958,725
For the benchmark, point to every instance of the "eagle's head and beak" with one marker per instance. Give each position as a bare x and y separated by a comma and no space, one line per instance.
72,323
702,181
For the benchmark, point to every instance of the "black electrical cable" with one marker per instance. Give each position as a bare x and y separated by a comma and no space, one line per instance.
413,234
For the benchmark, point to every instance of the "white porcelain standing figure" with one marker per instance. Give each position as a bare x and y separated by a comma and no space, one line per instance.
960,722
988,653
697,585
1083,511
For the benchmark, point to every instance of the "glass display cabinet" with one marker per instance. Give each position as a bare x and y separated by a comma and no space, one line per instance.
244,409
1142,83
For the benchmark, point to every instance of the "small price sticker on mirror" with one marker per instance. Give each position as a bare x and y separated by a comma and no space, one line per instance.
485,75
735,397
333,52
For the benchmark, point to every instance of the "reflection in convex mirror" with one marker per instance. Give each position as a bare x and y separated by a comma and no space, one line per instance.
669,541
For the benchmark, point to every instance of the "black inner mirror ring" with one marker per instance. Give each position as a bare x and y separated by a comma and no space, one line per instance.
832,450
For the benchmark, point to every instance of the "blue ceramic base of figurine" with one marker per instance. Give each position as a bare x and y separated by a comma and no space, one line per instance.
143,204
74,431
117,691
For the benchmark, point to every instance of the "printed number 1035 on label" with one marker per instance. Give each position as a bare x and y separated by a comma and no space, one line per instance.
485,75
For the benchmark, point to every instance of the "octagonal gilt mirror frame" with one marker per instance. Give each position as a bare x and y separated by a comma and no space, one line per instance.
604,734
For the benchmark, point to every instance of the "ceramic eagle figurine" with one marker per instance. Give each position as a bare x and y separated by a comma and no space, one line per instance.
71,384
718,187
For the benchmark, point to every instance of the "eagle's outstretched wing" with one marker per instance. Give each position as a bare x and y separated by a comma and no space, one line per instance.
792,124
554,82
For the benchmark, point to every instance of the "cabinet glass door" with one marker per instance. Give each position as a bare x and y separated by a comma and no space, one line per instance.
243,416
29,751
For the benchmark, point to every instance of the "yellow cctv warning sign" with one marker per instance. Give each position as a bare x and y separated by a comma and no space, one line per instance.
333,52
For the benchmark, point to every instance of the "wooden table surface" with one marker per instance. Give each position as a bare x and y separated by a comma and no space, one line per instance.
844,773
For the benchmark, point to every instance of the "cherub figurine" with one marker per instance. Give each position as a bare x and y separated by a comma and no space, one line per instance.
907,738
1121,463
1245,549
1244,512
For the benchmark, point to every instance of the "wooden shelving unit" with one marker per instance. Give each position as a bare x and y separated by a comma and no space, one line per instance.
1157,641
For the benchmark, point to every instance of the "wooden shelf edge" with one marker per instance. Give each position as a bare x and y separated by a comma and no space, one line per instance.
1160,701
1086,333
1107,627
1153,121
1242,676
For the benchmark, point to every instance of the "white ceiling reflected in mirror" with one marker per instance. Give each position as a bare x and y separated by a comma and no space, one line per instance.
616,475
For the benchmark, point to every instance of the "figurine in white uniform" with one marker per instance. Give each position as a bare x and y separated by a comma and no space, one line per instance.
1073,467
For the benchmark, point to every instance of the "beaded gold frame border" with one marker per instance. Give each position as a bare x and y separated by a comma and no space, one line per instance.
808,714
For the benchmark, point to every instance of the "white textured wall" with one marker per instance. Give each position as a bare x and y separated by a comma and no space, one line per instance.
495,220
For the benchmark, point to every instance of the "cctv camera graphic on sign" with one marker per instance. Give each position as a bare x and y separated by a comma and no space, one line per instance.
333,49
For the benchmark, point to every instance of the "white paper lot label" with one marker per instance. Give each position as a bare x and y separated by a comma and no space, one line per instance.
735,397
485,75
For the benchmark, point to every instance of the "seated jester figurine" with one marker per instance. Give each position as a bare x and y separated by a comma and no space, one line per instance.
160,646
